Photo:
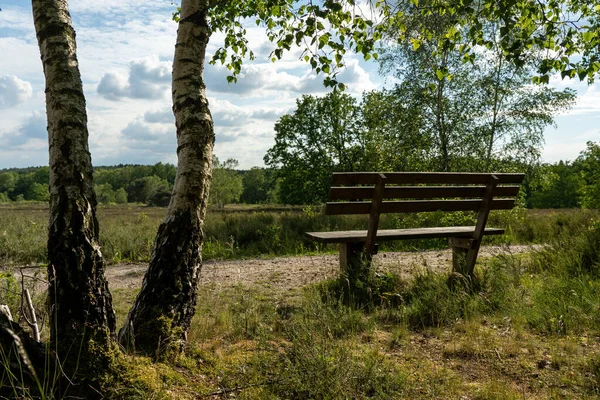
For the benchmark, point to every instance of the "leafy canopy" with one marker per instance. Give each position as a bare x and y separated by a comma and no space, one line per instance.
565,33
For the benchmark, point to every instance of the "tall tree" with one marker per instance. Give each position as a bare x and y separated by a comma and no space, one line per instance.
559,187
226,185
394,139
322,135
82,321
160,318
255,186
588,163
481,113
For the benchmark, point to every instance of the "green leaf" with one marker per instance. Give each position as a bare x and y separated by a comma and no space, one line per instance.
338,58
416,43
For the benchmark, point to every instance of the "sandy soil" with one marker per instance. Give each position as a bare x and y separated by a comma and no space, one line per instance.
292,272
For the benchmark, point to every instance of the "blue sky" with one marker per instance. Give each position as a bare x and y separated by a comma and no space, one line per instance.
125,51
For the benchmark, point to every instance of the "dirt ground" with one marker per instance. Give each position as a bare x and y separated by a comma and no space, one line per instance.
286,273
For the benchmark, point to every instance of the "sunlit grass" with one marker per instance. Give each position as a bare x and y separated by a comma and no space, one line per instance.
127,232
527,328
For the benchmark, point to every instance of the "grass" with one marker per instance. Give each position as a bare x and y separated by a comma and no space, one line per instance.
127,232
435,341
528,328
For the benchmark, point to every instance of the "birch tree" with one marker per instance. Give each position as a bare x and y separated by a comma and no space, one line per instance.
160,318
82,321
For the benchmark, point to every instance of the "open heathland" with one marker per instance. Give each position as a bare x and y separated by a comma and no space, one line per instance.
285,327
128,231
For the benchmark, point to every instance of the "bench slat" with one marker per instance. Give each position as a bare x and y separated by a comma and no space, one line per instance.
419,192
364,207
458,178
400,234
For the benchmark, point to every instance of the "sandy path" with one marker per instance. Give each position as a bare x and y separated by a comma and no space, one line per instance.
292,272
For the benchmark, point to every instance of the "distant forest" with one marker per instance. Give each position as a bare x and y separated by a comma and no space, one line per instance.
147,184
558,185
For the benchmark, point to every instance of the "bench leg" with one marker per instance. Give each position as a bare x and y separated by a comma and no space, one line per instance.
464,254
459,260
352,258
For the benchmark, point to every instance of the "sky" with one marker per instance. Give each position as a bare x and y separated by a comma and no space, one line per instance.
125,52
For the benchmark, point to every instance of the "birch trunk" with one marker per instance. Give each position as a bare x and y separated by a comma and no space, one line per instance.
82,321
160,318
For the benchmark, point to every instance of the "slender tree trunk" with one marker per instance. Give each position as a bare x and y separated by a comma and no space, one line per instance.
496,107
441,127
82,321
159,320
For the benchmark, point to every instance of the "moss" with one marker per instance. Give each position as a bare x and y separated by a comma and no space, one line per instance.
171,338
139,377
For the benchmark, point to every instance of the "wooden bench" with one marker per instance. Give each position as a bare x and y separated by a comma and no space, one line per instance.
375,193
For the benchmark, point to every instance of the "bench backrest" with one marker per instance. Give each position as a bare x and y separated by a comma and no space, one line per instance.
410,192
375,193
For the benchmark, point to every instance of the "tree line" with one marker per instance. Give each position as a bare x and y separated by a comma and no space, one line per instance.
563,184
147,184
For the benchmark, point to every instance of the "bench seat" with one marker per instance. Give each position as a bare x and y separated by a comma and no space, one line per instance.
400,234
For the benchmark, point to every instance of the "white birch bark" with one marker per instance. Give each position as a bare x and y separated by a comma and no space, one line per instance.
80,303
158,322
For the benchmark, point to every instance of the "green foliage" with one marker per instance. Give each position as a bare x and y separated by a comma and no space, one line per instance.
258,185
104,193
393,139
121,196
559,187
150,184
321,136
37,192
325,31
10,290
159,197
564,44
7,182
589,165
367,291
226,185
149,190
506,114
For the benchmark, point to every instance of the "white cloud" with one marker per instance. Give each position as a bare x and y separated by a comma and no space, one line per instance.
16,18
292,79
126,8
356,78
32,132
164,115
588,102
149,78
13,91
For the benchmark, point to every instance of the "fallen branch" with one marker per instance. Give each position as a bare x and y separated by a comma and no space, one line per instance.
33,324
